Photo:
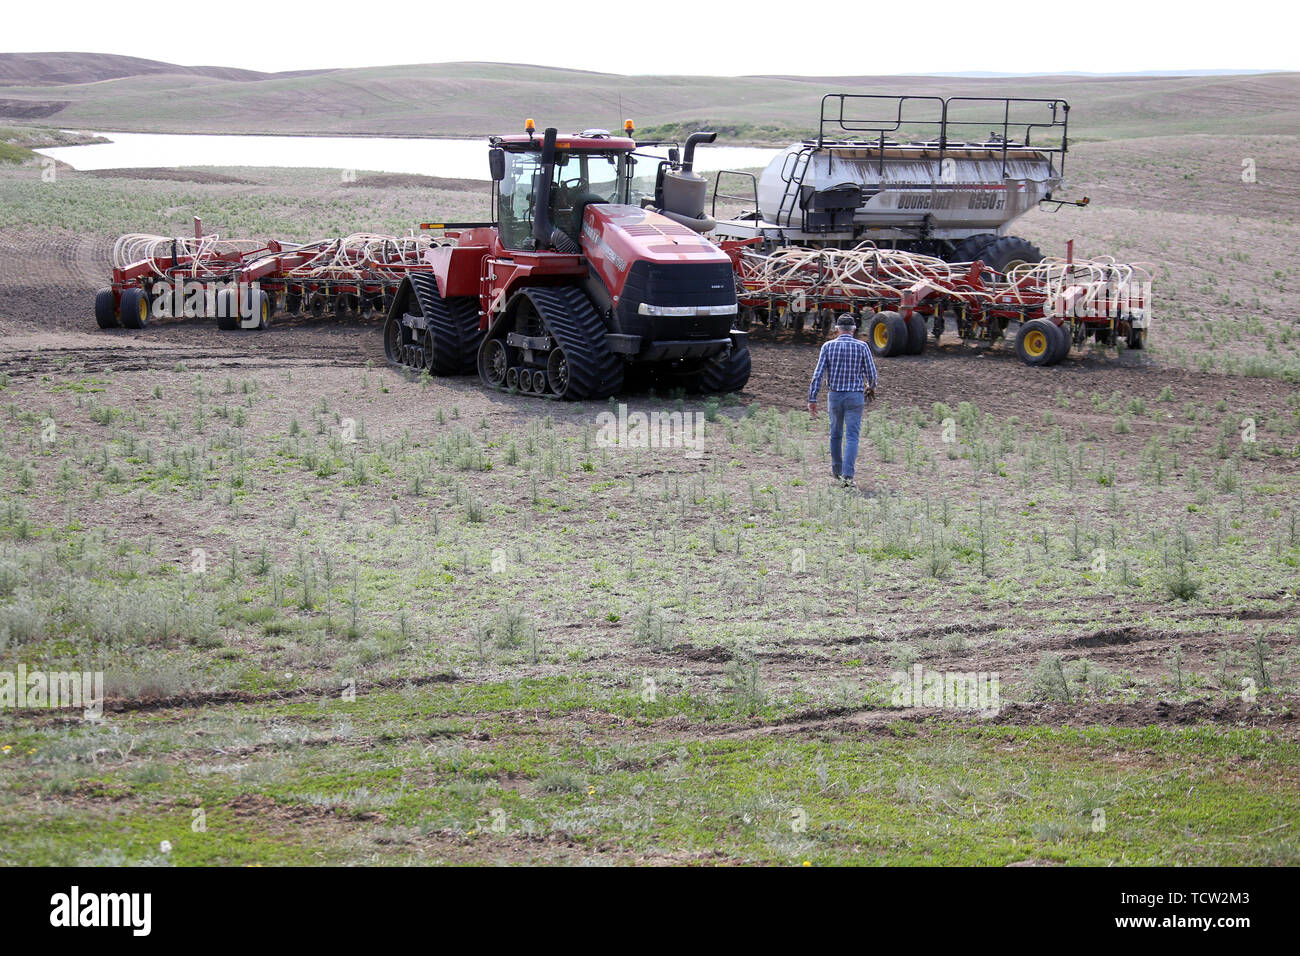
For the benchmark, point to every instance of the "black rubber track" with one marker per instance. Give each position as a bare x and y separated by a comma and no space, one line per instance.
452,322
594,371
728,373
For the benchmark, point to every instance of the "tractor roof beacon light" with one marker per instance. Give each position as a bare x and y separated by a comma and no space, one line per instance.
629,127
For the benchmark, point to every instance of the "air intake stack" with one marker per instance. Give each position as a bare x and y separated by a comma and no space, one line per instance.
684,191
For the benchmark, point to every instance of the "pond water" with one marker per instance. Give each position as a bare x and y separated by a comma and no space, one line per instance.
450,158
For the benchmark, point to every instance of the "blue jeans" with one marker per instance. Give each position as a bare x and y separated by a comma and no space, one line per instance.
846,418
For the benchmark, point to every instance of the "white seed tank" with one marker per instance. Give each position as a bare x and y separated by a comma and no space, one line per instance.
902,192
924,170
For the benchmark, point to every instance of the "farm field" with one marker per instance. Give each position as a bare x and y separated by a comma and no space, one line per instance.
350,615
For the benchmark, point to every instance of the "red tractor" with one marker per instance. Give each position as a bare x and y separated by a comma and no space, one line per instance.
594,277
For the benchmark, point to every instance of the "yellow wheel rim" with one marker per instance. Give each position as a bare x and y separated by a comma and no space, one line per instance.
266,311
144,309
881,335
1035,343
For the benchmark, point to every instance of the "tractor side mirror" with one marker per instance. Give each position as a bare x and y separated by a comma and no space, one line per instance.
497,163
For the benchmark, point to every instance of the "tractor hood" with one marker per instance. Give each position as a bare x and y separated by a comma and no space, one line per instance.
666,281
614,237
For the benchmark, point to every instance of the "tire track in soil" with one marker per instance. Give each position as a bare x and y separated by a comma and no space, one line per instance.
122,705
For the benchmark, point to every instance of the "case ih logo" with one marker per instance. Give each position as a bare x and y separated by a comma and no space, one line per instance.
595,238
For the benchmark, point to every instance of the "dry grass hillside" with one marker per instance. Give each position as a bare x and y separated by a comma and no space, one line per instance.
450,99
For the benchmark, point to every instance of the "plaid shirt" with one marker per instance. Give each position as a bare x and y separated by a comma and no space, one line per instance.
852,369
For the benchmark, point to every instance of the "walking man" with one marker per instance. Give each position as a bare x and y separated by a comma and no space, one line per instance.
850,379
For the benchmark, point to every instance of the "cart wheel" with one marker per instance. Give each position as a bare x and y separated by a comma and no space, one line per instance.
263,309
106,309
916,334
887,334
226,308
1037,342
135,309
1064,342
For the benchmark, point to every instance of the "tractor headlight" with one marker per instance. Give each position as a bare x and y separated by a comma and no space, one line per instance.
645,308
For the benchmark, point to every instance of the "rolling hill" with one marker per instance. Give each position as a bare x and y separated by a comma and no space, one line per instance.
92,91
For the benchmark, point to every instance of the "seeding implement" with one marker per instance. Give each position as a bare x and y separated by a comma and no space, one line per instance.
243,282
904,298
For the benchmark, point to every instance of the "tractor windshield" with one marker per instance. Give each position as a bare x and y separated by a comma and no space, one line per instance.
579,179
642,178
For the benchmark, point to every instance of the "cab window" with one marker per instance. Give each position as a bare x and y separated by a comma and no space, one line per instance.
579,180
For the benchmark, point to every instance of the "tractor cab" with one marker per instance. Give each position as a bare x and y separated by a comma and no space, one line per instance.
544,185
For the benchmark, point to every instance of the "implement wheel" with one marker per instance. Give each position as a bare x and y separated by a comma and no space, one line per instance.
263,308
887,334
1037,342
1064,342
916,334
135,309
106,309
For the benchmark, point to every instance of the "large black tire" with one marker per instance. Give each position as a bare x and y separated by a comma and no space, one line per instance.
916,334
887,334
227,306
263,309
106,309
1136,339
452,326
1064,342
1037,342
1003,253
968,249
728,372
135,309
